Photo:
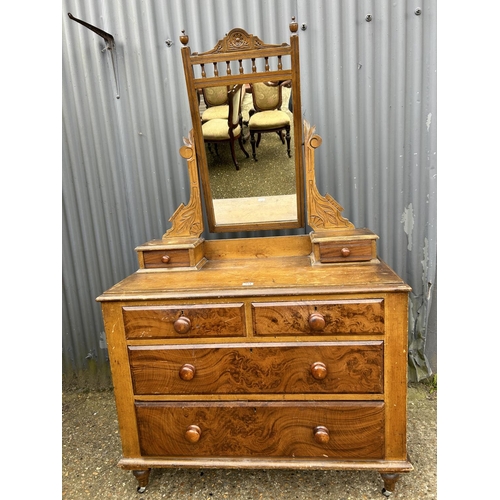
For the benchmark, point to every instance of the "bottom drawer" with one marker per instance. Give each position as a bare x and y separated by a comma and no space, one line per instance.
349,430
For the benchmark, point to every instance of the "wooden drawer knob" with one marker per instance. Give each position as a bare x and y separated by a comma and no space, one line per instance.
165,259
193,434
345,252
182,324
321,434
317,322
318,370
187,372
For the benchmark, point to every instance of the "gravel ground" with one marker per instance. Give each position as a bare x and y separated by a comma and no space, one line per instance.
91,449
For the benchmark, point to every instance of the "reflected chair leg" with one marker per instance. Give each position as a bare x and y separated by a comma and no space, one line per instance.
233,154
241,143
215,147
244,126
288,142
252,142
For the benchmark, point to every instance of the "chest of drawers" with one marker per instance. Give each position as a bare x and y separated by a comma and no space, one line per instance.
263,362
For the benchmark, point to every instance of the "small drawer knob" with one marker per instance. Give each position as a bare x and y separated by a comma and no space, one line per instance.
317,322
318,370
165,259
193,434
187,372
345,252
182,324
321,434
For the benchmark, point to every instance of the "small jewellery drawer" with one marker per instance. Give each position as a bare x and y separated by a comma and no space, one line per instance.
349,430
155,259
209,320
316,318
347,251
287,368
156,254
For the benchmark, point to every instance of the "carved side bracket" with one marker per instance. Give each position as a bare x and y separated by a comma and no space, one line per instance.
187,220
323,212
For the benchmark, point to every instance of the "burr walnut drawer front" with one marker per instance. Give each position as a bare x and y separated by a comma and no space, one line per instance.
287,368
348,430
208,320
316,317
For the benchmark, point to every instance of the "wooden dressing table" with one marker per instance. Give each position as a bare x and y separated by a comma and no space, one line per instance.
274,352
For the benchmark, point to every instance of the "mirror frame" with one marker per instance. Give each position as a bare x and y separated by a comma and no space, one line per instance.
240,46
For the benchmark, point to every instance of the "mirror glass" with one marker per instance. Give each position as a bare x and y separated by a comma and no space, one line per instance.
264,188
248,133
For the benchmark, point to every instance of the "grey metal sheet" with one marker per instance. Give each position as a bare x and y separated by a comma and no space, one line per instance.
368,87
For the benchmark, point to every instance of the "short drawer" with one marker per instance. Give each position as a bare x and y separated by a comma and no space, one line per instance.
347,251
186,254
155,259
317,318
291,368
209,320
348,430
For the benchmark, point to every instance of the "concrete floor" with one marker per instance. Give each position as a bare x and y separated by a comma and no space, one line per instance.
91,449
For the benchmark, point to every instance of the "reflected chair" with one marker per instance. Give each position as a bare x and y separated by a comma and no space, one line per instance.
216,103
267,115
227,129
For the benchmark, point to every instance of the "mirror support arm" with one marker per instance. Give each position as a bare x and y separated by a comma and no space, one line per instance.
187,220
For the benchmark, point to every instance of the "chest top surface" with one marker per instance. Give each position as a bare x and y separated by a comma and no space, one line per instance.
257,273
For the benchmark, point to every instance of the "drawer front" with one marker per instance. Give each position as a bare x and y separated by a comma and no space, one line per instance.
348,430
322,368
347,251
155,259
317,318
214,320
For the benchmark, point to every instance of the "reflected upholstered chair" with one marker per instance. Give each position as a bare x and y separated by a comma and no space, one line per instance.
216,103
228,129
267,115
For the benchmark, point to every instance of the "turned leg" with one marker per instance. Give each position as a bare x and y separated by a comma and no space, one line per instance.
142,477
390,481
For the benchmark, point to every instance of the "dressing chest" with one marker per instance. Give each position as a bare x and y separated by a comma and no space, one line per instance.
268,352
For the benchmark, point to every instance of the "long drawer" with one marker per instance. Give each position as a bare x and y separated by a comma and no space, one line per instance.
319,317
258,368
349,430
184,321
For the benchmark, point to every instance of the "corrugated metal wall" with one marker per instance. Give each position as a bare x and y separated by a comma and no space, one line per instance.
369,87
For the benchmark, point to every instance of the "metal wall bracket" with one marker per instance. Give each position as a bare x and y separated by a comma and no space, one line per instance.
110,48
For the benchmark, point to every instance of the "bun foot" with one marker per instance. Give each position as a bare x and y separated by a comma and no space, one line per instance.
142,477
390,481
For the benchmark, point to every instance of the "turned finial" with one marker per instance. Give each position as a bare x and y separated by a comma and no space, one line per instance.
184,38
294,26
